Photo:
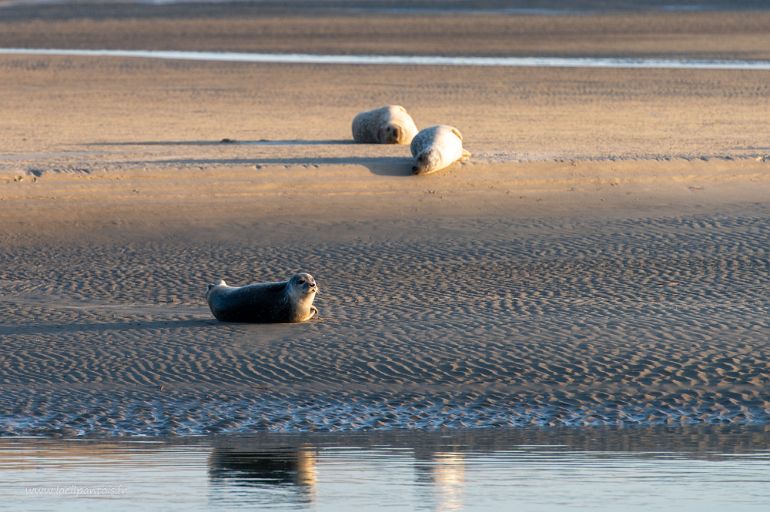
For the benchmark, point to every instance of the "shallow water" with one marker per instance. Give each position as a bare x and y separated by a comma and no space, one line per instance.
405,60
519,7
525,469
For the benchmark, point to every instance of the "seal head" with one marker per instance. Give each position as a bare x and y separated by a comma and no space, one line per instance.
302,289
427,161
436,148
392,134
390,124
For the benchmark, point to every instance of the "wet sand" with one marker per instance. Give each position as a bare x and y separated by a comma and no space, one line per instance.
495,322
468,27
602,259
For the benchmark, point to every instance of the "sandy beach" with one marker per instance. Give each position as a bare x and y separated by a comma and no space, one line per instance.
602,259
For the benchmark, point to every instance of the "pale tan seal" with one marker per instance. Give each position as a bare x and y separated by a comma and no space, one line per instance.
437,147
286,301
387,125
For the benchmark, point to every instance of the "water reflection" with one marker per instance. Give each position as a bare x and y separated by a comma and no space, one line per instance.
405,60
448,477
545,469
239,464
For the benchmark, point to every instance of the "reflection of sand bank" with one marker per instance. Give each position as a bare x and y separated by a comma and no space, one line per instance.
27,454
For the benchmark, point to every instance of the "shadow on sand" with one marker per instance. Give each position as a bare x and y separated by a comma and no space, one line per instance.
128,325
228,142
381,166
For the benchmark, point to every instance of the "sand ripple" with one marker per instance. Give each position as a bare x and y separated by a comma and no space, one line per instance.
484,323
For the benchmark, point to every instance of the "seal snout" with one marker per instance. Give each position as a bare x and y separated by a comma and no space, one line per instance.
306,283
420,163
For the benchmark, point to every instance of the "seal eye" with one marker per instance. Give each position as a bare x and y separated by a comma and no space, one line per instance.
301,281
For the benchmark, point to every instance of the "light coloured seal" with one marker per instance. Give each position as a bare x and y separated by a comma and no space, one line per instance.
437,147
287,301
387,125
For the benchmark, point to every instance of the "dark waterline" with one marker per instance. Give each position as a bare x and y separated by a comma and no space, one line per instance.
223,8
530,469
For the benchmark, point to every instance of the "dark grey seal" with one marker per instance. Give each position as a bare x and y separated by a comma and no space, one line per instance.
287,301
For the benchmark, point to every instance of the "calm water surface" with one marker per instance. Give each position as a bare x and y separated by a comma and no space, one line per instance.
405,60
539,469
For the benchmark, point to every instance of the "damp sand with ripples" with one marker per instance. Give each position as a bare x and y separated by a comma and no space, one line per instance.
602,259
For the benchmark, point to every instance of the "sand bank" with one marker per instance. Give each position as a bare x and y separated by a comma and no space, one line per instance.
488,300
451,322
602,259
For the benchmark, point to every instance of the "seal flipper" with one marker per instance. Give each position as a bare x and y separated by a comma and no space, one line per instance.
466,155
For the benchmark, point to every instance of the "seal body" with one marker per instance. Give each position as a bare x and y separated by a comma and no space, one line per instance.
287,301
436,148
391,124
